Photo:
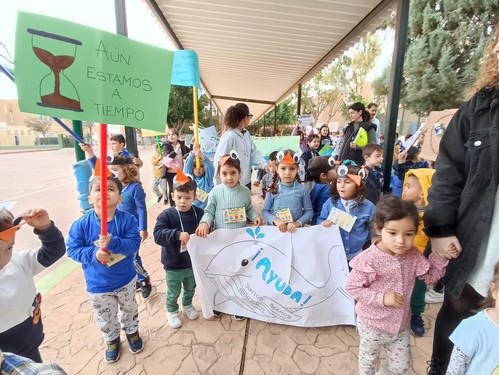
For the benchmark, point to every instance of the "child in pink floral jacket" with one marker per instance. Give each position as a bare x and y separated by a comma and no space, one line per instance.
381,282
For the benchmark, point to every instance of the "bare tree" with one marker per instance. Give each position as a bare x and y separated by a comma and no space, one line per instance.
89,125
348,72
318,95
39,124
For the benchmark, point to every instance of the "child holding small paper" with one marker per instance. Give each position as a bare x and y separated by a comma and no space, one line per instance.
203,175
349,209
287,205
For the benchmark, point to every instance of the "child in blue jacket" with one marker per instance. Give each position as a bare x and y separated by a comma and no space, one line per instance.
203,176
348,206
108,267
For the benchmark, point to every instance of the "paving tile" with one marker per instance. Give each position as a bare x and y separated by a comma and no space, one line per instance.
201,346
205,356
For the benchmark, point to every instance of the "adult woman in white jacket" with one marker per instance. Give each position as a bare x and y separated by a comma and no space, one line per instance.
237,138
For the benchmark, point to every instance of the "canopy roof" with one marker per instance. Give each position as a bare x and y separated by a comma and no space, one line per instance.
258,51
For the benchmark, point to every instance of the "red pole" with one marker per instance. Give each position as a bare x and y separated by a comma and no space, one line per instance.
103,179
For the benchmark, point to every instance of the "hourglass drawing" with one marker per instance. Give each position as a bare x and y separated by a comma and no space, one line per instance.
58,52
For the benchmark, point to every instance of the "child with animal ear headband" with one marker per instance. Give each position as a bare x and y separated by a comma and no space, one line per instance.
229,204
349,209
287,205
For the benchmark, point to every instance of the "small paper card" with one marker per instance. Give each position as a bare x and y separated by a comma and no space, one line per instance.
324,149
201,195
343,219
285,215
234,215
115,258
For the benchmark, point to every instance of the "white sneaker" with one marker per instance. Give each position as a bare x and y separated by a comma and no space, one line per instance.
431,296
173,320
191,312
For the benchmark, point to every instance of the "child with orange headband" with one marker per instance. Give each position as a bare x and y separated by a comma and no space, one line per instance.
21,328
349,209
229,204
172,232
287,205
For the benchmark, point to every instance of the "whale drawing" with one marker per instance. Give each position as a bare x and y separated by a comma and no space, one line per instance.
260,266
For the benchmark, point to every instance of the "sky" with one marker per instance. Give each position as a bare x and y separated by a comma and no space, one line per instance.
142,25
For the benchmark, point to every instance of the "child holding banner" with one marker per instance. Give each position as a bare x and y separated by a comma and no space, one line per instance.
381,282
349,209
229,204
203,175
287,205
172,232
133,201
108,266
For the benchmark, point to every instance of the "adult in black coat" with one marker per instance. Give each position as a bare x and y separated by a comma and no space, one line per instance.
360,118
460,218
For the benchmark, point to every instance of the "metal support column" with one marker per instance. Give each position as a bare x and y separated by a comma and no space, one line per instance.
395,87
275,119
298,102
121,29
264,129
211,113
77,128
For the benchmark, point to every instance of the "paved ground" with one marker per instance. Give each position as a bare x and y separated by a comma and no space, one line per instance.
216,347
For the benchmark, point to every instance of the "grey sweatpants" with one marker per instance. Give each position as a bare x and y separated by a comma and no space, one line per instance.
105,307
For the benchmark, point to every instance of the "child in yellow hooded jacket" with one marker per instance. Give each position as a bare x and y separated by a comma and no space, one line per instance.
417,182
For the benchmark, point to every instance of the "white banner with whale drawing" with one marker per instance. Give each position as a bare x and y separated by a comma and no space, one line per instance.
287,278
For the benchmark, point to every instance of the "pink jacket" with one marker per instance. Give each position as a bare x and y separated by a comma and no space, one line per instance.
375,273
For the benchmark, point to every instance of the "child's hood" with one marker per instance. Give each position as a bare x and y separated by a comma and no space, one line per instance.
424,176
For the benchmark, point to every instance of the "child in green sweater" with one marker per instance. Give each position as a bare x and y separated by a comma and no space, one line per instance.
229,204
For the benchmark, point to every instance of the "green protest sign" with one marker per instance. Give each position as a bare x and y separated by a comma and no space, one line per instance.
73,71
267,145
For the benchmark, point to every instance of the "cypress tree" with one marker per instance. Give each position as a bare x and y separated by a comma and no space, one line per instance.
445,45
